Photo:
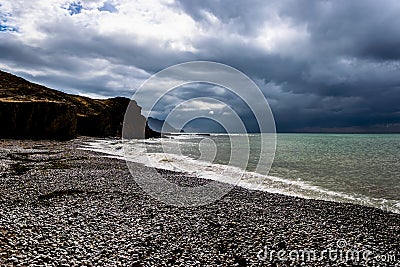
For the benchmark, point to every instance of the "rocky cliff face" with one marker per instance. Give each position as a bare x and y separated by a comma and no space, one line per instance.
29,110
37,120
107,120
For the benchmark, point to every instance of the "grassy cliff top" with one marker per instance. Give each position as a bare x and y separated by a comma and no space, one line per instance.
16,89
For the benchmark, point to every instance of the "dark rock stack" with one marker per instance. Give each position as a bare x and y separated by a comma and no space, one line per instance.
162,126
150,133
32,111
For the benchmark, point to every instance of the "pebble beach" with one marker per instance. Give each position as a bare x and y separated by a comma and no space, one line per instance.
63,206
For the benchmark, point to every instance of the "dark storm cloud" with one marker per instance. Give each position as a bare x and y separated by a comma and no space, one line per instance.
243,17
366,29
332,65
16,52
191,91
351,78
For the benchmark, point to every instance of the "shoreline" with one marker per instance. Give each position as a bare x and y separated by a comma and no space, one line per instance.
69,206
288,187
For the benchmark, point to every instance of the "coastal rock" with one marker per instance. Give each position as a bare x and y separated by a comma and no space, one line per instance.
37,120
150,133
33,111
107,120
136,124
162,126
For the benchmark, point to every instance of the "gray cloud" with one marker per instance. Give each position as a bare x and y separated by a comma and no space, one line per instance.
332,65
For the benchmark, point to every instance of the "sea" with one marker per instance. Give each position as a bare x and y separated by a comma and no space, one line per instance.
353,168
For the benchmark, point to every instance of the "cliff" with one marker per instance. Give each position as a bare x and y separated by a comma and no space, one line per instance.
37,120
29,110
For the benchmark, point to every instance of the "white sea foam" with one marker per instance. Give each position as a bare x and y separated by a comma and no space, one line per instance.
137,152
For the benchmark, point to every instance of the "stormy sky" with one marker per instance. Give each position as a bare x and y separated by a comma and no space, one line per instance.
324,66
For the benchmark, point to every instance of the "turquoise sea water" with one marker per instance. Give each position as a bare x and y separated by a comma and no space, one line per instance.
367,164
